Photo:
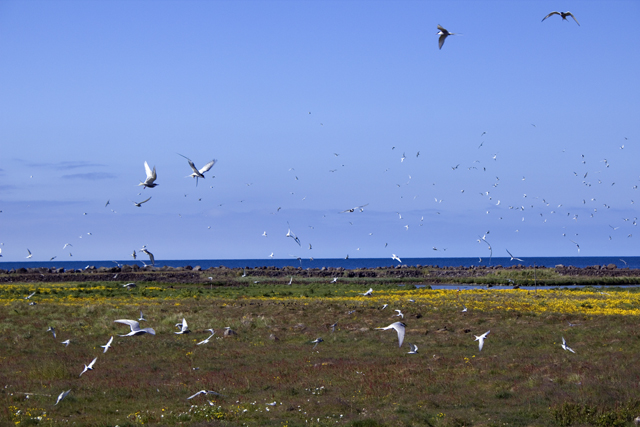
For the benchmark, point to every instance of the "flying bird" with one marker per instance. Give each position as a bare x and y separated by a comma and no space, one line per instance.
399,327
443,33
151,177
292,235
30,255
89,367
480,340
199,173
204,392
62,396
184,328
30,295
563,15
413,349
399,314
394,256
107,345
66,343
139,204
316,342
512,257
565,346
145,251
52,330
135,328
368,293
206,340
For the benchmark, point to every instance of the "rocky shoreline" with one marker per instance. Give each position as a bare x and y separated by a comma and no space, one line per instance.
228,276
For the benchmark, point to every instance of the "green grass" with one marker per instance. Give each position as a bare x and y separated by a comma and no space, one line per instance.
357,377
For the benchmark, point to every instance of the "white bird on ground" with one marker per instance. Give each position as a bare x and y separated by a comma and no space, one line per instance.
62,396
89,367
139,204
399,327
135,328
66,343
30,295
563,15
399,314
151,177
206,340
565,346
199,173
52,330
184,328
368,293
512,257
204,392
443,33
334,280
145,251
480,340
107,345
316,342
414,349
30,254
394,256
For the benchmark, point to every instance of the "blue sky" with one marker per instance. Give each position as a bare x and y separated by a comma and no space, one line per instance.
274,90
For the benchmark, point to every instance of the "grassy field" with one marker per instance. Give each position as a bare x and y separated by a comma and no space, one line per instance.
269,374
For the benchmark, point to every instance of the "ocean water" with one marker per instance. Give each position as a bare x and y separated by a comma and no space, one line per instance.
349,264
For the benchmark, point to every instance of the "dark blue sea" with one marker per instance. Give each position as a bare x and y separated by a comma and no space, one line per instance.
349,264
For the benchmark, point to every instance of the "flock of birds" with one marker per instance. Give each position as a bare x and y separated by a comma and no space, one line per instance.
183,328
135,330
529,207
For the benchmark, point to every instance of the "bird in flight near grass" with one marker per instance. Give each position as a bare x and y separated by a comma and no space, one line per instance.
399,328
480,340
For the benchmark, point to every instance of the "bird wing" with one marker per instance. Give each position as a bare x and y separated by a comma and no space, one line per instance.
399,327
149,331
481,343
144,201
133,324
552,13
92,362
109,343
151,174
208,166
197,394
442,29
441,40
574,18
151,258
